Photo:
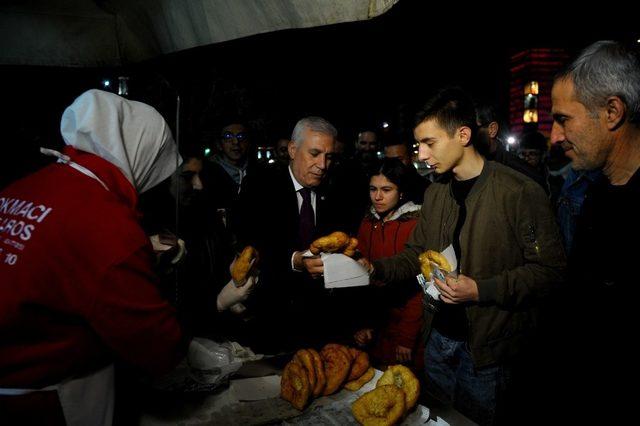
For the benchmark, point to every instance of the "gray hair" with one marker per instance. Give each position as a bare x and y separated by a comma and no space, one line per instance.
606,68
315,124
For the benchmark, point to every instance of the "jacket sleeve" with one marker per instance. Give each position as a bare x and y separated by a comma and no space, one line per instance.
544,258
133,320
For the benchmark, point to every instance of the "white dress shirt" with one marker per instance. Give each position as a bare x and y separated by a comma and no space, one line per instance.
298,187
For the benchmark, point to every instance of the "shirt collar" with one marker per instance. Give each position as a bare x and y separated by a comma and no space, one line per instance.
296,184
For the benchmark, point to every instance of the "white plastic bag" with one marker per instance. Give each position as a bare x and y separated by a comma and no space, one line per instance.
211,362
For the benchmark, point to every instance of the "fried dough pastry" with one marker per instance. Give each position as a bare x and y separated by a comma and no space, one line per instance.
404,379
336,368
433,256
342,348
321,379
304,358
243,264
383,406
354,385
350,250
334,242
294,385
360,363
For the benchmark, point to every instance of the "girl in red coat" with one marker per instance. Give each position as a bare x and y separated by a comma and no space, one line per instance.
382,233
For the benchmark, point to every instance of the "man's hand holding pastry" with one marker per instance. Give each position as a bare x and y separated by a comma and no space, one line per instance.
313,265
458,289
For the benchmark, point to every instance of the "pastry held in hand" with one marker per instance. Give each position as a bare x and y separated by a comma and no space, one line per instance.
430,256
350,250
243,264
332,243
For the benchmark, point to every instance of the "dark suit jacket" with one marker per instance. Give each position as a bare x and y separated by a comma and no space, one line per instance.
268,219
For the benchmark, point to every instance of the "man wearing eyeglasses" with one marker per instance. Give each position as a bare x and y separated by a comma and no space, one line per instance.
233,146
229,167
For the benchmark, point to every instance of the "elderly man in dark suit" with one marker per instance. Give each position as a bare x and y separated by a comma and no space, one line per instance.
281,212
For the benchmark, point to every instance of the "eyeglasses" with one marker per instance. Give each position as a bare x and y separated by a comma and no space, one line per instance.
228,136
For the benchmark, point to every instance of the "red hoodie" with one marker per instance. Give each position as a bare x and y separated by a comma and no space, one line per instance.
76,282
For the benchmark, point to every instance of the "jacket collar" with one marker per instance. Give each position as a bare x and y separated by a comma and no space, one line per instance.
407,207
483,177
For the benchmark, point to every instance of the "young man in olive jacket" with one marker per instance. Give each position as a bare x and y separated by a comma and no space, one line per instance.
509,253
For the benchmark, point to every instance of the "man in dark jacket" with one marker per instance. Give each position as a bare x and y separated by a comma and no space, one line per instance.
225,171
281,211
596,113
509,253
492,148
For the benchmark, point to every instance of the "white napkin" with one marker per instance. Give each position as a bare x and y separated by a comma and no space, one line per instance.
342,271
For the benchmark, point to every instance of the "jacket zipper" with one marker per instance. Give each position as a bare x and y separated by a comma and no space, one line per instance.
533,240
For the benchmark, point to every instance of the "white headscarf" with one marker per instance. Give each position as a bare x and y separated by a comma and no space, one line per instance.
129,134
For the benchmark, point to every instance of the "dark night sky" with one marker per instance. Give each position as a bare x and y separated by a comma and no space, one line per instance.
354,74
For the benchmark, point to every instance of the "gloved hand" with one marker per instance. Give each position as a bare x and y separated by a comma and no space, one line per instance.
230,294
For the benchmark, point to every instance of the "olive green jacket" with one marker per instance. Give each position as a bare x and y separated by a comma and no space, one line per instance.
510,246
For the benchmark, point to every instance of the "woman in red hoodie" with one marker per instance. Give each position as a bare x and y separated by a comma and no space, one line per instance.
383,232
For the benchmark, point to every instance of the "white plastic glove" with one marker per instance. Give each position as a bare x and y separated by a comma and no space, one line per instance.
230,294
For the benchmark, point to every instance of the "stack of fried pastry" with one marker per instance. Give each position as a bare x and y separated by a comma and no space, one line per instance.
311,373
336,242
395,394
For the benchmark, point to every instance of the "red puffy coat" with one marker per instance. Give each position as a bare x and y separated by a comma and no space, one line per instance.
377,239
